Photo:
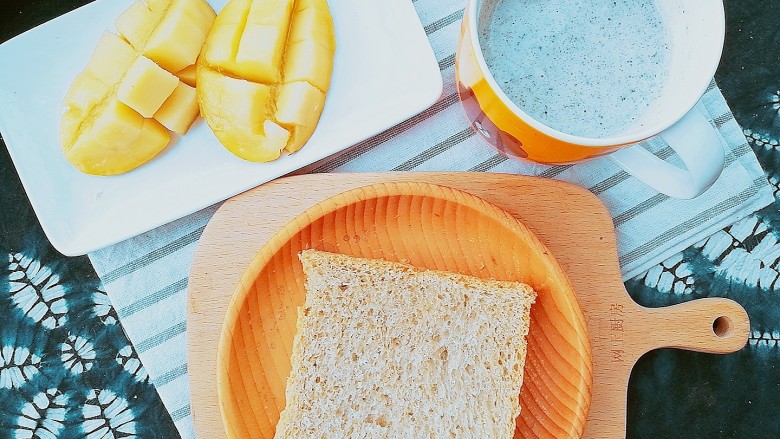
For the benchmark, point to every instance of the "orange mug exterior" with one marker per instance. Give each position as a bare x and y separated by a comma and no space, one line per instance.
498,125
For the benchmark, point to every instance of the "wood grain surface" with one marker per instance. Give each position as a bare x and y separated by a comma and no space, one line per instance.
570,221
427,226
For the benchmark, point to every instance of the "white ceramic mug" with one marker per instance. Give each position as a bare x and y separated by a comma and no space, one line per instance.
696,32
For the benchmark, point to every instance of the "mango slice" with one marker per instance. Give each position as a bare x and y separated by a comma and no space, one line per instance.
264,73
146,86
169,32
179,110
118,110
118,131
188,74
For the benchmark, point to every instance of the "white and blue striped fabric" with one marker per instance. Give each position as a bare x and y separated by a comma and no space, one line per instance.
146,276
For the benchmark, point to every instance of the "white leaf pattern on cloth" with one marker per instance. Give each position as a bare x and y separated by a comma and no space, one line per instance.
107,416
765,339
756,264
78,354
673,275
17,365
50,361
130,362
36,291
43,417
102,308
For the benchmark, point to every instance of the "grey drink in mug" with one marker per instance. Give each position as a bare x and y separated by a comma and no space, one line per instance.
560,81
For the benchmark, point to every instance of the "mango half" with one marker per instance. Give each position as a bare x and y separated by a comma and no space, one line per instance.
118,110
263,75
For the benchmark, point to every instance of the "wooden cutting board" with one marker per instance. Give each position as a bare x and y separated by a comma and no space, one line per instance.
569,220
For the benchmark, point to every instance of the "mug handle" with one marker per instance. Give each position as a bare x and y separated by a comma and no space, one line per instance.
700,148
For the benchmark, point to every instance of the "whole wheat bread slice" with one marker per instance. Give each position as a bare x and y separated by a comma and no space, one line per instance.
384,350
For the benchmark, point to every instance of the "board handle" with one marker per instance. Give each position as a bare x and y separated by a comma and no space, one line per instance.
712,325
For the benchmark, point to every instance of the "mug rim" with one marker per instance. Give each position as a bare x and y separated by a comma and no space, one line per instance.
472,11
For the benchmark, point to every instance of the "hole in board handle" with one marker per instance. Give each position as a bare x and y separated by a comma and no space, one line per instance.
722,326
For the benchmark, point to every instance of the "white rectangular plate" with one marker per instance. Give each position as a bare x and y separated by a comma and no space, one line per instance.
384,72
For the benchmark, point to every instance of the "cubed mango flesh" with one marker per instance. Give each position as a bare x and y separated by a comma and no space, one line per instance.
187,75
180,109
256,93
177,40
117,131
111,59
307,61
312,24
241,123
259,53
221,44
169,32
298,108
85,93
117,109
146,86
137,23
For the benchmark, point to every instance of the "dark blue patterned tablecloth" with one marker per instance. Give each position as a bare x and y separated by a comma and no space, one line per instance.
67,369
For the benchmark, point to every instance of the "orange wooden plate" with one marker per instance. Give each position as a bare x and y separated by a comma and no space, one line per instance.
569,220
427,226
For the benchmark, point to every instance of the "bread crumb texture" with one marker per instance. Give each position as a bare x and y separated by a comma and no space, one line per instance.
384,350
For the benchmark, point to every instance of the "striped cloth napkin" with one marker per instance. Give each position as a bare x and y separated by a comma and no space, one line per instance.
146,276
